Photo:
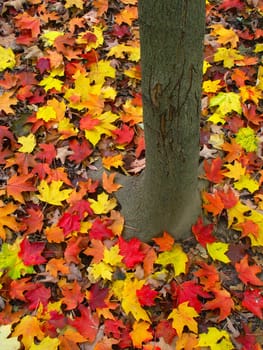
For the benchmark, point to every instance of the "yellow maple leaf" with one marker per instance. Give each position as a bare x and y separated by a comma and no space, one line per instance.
206,65
77,3
260,78
50,36
224,35
46,343
175,257
247,182
140,333
215,339
103,204
51,193
217,251
211,85
235,170
46,113
113,161
130,302
99,271
112,256
28,143
100,125
228,56
97,33
236,213
121,50
183,316
100,70
7,58
50,83
226,102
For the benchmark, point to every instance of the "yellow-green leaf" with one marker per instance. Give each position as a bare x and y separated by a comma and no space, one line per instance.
247,182
247,139
228,56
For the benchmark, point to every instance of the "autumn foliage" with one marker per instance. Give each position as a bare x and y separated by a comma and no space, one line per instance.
70,96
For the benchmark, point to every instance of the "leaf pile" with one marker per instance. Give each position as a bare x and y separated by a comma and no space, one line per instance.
70,97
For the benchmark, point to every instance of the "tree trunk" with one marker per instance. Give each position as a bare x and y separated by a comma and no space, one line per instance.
166,195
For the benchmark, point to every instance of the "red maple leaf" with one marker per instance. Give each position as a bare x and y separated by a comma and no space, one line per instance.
30,253
114,328
74,247
69,223
247,273
213,170
247,339
253,301
48,153
33,220
81,150
203,233
189,291
40,294
229,4
19,287
80,208
99,229
165,329
87,323
228,197
146,295
131,251
43,64
124,135
97,296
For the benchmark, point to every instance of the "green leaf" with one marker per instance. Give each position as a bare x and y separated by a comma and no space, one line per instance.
247,139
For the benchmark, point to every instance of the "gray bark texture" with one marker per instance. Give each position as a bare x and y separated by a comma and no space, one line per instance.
166,197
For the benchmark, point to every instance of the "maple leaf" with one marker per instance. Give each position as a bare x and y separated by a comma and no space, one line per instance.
227,102
247,139
87,323
10,261
51,193
18,184
247,182
140,333
247,273
103,204
7,342
215,339
54,266
215,204
72,294
228,56
189,291
69,223
30,253
187,341
40,295
101,6
222,301
112,257
112,161
131,251
81,150
7,58
6,100
203,233
236,170
8,221
99,271
183,316
29,329
46,343
108,182
30,28
225,36
208,275
71,3
165,242
213,170
97,296
96,251
175,257
146,295
253,301
217,251
125,291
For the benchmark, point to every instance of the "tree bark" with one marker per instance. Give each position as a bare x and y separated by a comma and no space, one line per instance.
166,195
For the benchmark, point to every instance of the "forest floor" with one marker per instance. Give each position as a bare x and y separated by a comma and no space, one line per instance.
70,95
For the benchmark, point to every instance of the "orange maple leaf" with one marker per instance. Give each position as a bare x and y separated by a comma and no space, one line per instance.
127,15
101,6
18,184
96,251
108,182
6,100
7,220
222,301
165,242
213,170
247,273
215,204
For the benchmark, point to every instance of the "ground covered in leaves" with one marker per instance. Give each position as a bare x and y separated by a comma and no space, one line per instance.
70,95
